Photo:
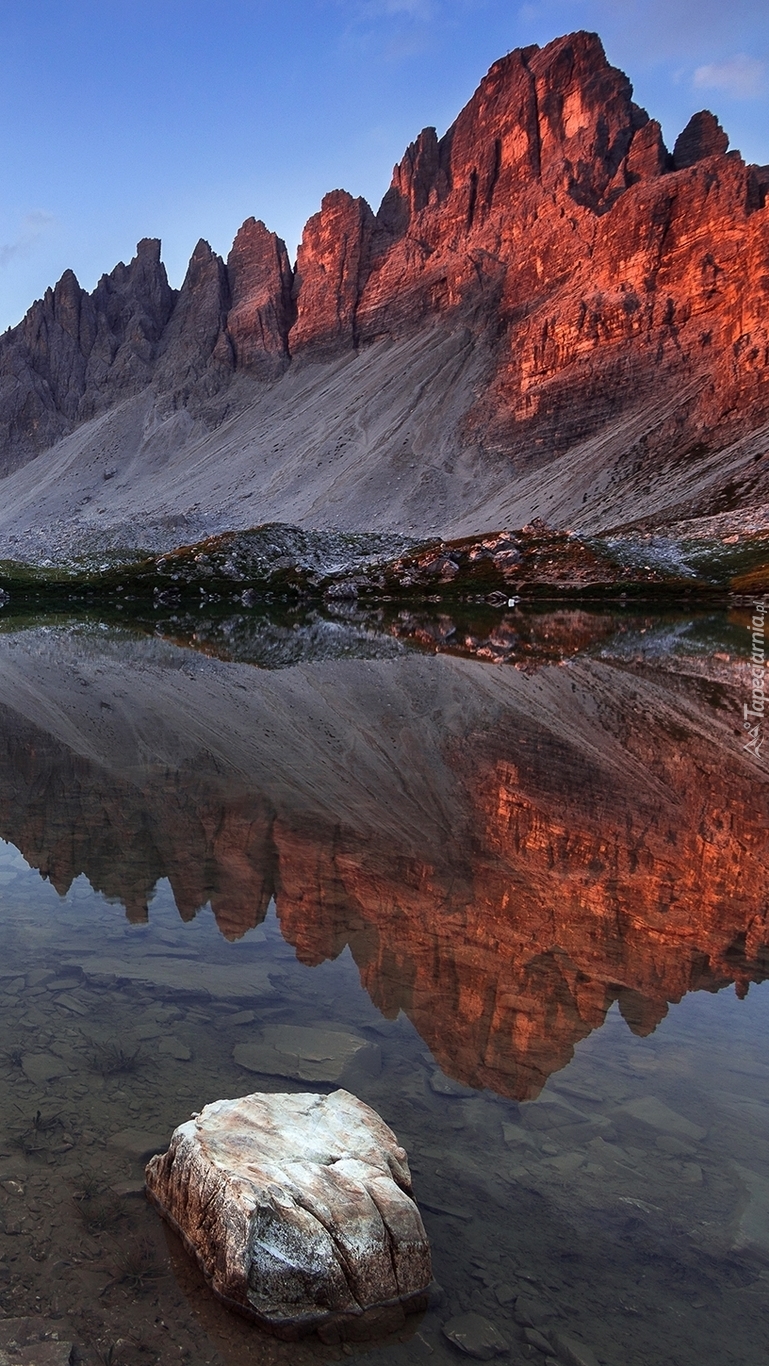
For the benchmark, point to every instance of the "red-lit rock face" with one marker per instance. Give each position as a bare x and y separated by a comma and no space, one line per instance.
553,843
552,211
331,267
261,311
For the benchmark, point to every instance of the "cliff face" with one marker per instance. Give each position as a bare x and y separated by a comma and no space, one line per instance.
507,857
594,269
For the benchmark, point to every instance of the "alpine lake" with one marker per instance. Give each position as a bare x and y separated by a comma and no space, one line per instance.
501,874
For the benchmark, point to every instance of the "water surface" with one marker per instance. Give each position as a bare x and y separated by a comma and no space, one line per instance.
523,860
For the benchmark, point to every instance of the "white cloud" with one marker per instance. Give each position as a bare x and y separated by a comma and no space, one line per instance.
33,227
741,76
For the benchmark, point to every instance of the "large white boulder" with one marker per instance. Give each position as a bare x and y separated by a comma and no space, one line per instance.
299,1211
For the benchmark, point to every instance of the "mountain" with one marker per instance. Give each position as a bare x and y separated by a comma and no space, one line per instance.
549,314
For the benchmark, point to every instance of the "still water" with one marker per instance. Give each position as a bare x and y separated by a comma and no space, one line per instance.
512,875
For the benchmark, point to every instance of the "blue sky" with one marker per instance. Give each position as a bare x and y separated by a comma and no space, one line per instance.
180,118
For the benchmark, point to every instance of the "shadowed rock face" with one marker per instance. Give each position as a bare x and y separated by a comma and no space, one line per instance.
76,354
508,855
593,271
196,354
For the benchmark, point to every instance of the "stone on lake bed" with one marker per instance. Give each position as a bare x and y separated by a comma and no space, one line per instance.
446,1086
33,1342
137,1143
174,1048
571,1352
649,1110
475,1336
303,1054
40,1068
536,1339
71,1003
299,1211
39,1354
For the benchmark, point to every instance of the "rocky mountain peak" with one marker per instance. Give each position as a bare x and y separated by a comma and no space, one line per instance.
75,353
702,137
196,354
422,173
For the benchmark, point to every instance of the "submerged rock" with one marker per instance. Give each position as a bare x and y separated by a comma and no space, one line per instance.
306,1054
298,1208
41,1068
572,1352
475,1336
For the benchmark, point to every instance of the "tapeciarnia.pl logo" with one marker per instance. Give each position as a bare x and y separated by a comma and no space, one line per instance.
753,714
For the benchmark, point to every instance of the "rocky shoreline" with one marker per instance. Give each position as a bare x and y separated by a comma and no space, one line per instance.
277,561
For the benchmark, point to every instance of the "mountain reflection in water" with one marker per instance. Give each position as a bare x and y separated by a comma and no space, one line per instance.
507,852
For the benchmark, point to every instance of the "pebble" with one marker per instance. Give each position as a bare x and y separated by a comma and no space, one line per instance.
71,1003
32,1342
517,1137
43,1354
530,1312
241,1017
37,976
677,1147
306,1054
128,1189
566,1163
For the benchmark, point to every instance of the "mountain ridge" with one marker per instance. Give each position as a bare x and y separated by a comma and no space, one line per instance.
589,277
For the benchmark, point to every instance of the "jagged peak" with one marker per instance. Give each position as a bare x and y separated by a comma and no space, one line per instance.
203,253
148,248
702,137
